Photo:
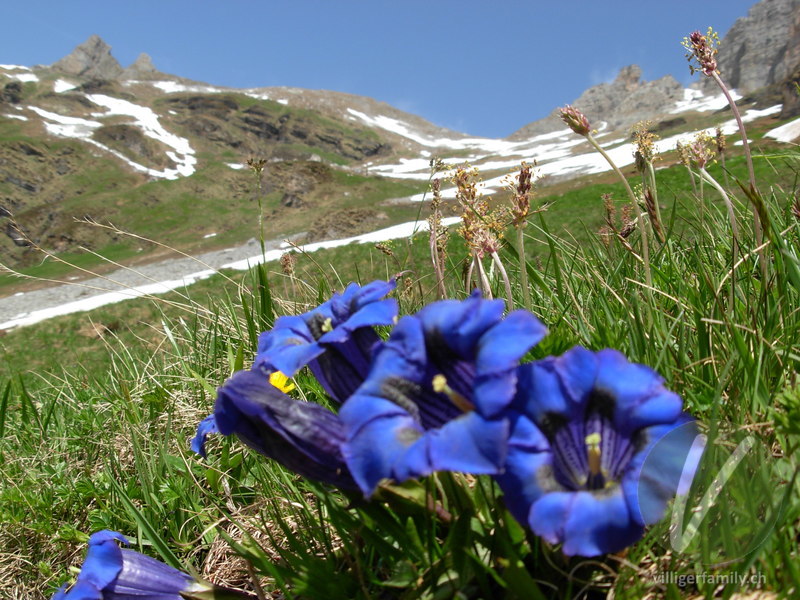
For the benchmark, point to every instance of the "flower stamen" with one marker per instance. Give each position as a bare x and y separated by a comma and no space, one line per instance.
596,479
440,387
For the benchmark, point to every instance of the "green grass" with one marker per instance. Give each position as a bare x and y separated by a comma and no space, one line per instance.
94,428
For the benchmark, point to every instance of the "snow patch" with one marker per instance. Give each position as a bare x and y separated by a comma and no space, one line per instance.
147,120
696,100
788,132
60,86
236,166
144,118
18,117
63,126
173,87
23,77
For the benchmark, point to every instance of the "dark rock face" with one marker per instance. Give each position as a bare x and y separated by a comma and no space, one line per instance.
19,238
789,93
132,142
11,93
761,48
91,59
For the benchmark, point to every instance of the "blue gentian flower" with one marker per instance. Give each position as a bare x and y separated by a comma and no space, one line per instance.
335,339
302,436
113,573
582,426
434,397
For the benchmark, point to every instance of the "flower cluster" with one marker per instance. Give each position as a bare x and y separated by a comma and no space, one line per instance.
703,50
575,120
578,443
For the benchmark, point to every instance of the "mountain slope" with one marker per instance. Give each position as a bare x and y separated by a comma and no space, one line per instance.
89,139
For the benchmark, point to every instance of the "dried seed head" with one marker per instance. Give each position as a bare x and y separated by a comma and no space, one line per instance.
644,140
611,211
627,230
575,120
719,138
485,242
436,190
702,49
521,202
476,215
437,165
257,165
684,156
385,248
288,261
627,214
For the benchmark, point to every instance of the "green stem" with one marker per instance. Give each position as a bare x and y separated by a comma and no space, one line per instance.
523,269
734,228
637,211
506,281
757,225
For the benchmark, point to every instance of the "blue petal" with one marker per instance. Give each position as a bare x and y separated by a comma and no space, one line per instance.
385,442
577,368
507,341
639,392
143,574
469,444
303,436
206,427
664,467
461,323
377,313
287,347
541,392
527,473
379,435
587,523
103,560
82,590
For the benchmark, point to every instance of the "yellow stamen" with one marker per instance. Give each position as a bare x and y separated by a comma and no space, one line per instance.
440,387
593,451
281,381
327,325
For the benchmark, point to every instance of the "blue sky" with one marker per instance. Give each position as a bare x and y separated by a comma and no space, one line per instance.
482,67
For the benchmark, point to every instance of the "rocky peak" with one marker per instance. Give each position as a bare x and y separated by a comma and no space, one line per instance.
142,68
91,59
621,103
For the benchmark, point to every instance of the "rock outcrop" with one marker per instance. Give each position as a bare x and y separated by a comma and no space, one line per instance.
620,104
789,91
92,59
760,49
142,69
